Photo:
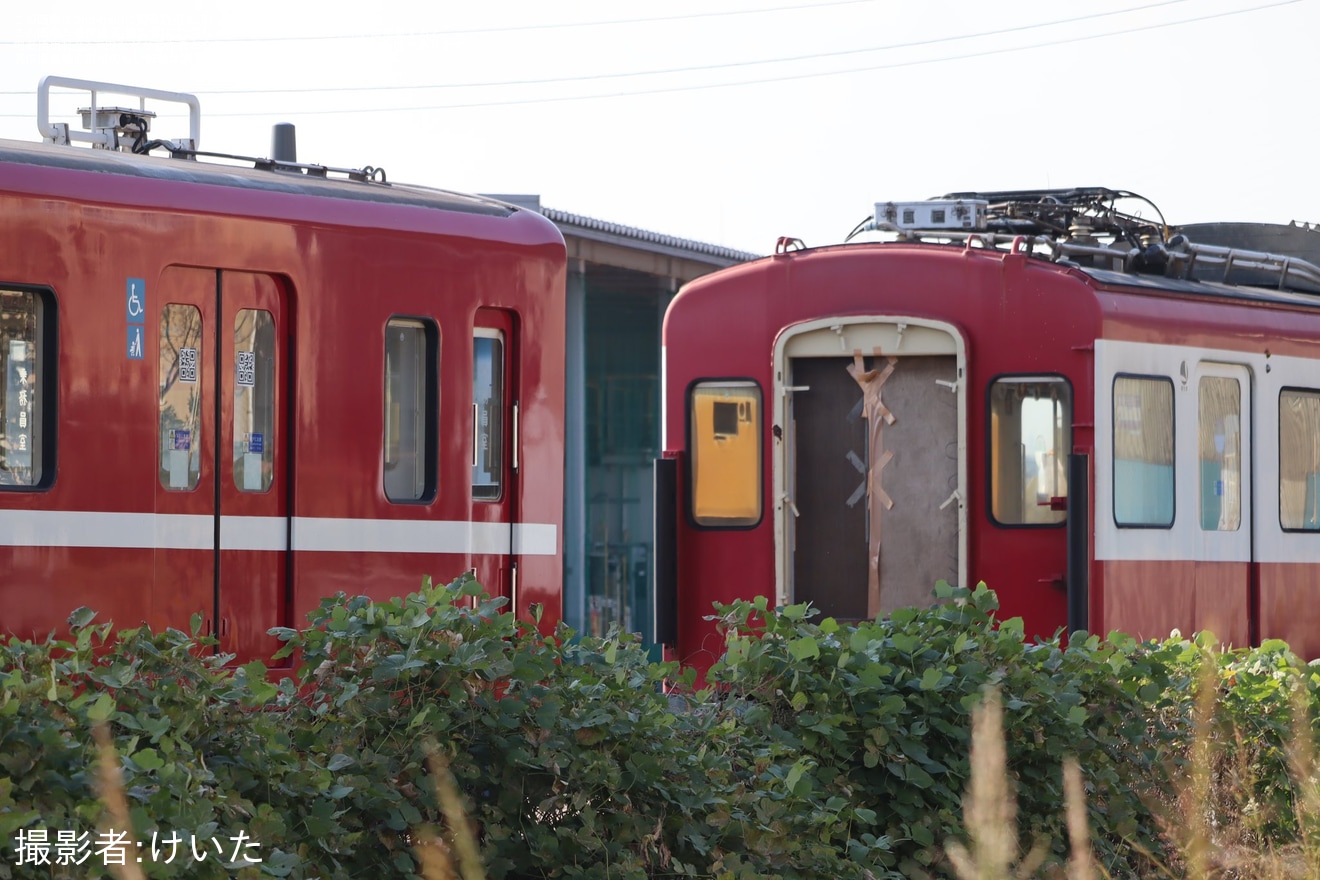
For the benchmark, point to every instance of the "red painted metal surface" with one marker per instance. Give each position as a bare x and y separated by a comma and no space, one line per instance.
1017,316
331,262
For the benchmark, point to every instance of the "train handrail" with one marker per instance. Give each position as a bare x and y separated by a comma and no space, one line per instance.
58,132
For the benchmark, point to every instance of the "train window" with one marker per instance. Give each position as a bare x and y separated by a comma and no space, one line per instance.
725,450
180,396
254,400
21,356
487,413
1220,453
1143,451
1299,459
410,408
1030,439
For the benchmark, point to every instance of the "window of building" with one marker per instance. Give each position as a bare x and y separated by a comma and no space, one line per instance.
181,367
22,361
1143,451
725,450
487,413
254,400
411,402
1030,439
1220,453
1299,459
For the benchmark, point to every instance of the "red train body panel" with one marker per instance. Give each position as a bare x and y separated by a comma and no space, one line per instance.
889,414
251,389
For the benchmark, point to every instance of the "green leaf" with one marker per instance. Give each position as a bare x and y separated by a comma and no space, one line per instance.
919,777
148,759
81,617
338,761
102,709
804,648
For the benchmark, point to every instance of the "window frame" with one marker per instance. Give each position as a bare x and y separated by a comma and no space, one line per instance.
1113,451
1201,411
989,433
198,429
266,374
1278,487
690,478
428,455
500,391
45,412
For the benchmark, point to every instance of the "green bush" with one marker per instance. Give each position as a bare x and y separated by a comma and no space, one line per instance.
813,749
880,715
182,731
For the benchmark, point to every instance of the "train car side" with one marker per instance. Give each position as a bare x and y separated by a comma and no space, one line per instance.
257,389
1108,450
1223,534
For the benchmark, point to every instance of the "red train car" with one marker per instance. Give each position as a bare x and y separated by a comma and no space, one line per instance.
1113,427
235,387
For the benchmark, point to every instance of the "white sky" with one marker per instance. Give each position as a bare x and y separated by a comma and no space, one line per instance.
730,121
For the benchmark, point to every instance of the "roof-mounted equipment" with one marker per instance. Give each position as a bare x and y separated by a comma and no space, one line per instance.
113,127
1084,227
931,214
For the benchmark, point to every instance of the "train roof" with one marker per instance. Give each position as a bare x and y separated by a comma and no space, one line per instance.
260,174
1083,230
122,148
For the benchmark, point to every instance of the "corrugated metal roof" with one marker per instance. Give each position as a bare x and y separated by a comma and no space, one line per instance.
618,233
644,236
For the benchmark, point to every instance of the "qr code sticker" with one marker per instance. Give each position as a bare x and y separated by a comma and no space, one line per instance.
245,369
187,365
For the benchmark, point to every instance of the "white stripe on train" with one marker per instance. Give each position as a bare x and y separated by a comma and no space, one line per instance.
59,528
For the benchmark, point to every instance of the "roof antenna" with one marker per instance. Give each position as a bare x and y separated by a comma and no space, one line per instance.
284,143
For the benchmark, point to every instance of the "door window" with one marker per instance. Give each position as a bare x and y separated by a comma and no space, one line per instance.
487,413
180,396
254,400
1220,453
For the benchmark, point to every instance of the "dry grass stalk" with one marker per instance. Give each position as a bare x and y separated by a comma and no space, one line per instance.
989,808
433,857
110,785
1220,830
1306,781
1196,805
435,853
1080,864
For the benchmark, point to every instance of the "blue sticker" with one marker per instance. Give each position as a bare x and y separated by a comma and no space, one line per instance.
135,301
256,442
135,342
181,438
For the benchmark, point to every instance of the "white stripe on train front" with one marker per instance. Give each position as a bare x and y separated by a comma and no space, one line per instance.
59,528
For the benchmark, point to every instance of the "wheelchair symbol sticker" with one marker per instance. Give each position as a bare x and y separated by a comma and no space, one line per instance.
135,305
